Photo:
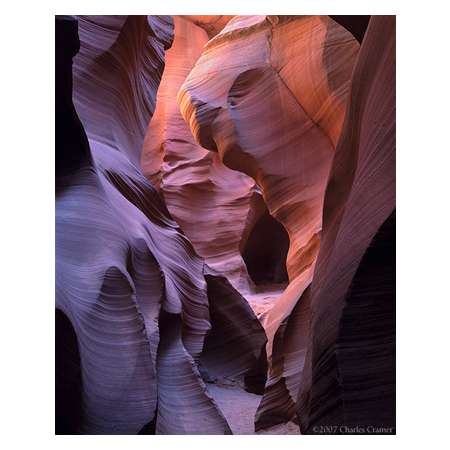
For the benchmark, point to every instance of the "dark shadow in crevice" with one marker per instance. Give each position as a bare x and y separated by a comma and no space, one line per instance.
366,343
150,428
71,143
235,348
68,403
265,251
357,25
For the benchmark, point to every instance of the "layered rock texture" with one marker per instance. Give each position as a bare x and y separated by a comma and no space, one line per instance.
349,375
185,173
225,219
138,311
285,143
301,67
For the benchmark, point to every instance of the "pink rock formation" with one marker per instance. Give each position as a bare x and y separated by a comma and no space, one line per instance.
138,309
219,199
211,24
225,156
301,67
337,347
303,110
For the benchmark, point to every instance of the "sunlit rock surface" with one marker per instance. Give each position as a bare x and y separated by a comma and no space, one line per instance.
220,200
225,219
211,24
333,358
268,95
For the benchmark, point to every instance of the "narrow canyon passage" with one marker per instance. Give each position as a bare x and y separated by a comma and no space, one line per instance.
223,185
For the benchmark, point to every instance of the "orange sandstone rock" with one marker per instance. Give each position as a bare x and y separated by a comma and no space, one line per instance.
268,95
211,202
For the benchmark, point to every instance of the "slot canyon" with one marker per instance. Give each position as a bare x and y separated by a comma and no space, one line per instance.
225,224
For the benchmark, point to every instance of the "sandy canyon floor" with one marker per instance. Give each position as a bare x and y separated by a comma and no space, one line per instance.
239,406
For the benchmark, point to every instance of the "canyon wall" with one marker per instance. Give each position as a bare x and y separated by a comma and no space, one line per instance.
210,202
225,210
349,376
138,311
334,355
268,95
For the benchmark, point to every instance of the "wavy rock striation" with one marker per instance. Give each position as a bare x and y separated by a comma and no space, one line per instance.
337,347
333,357
211,24
267,147
137,309
268,95
220,200
349,376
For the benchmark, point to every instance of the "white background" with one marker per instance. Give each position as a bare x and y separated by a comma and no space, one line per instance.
27,222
